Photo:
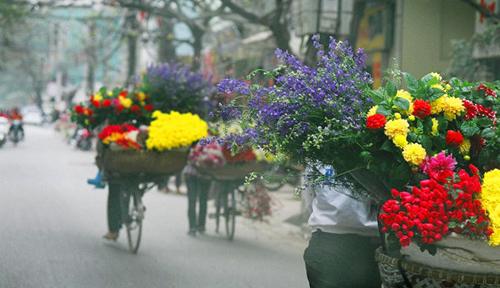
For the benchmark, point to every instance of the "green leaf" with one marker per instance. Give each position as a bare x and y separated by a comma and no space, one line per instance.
391,89
488,133
400,175
376,95
469,128
387,146
384,110
411,82
426,142
430,80
402,104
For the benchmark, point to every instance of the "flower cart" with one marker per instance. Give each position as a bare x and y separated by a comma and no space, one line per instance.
425,150
228,171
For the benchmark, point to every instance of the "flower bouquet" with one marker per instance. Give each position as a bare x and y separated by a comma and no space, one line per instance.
161,149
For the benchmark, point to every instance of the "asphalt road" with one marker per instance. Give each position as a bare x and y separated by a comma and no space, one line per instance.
52,223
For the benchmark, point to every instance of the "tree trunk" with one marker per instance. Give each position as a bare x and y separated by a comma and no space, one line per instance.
166,48
197,47
281,36
132,48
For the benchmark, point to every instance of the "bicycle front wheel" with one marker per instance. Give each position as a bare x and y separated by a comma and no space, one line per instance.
133,214
230,213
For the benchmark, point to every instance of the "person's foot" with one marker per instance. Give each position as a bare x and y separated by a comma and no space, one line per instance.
98,184
192,232
112,236
201,230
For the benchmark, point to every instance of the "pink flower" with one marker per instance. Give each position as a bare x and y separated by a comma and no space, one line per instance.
439,167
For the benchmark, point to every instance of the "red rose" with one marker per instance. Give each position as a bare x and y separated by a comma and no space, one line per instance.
96,103
106,103
454,138
135,108
124,93
421,108
119,108
79,109
375,121
148,107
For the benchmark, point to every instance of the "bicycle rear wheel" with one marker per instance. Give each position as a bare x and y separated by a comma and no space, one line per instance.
230,212
132,214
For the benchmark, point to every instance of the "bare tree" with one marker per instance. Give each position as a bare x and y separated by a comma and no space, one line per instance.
276,21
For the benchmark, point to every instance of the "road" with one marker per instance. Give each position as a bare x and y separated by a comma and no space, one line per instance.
52,223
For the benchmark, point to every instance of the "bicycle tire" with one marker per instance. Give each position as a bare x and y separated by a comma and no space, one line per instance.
230,213
132,216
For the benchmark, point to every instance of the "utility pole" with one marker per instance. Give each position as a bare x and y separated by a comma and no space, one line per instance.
132,26
91,58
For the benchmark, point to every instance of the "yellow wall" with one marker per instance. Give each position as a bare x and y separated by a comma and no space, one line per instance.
427,28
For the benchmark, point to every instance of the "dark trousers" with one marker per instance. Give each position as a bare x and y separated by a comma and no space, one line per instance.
341,261
197,189
114,207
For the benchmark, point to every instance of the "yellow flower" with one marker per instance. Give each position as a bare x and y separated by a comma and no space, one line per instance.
372,111
414,153
97,96
411,118
110,93
400,141
435,127
175,130
396,127
464,148
451,106
438,86
466,157
126,102
397,115
447,87
490,200
141,96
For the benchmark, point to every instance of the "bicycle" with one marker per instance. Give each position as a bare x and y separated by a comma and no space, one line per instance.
132,209
226,200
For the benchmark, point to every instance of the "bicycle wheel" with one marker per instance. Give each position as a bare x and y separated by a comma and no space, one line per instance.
230,212
132,215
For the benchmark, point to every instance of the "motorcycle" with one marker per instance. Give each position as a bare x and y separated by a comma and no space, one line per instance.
84,139
4,130
16,131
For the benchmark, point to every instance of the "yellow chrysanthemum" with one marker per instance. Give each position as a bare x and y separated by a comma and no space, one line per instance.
435,127
490,200
175,130
126,102
396,127
414,153
464,148
400,141
97,96
450,106
372,111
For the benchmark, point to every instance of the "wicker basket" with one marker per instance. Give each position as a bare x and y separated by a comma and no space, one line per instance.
404,273
131,162
233,172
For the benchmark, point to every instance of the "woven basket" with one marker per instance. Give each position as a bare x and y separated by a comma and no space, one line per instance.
393,272
131,162
233,172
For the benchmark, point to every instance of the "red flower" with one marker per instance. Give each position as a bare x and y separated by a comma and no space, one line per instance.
421,108
454,138
79,109
148,107
119,108
135,108
487,91
124,93
375,121
96,103
106,103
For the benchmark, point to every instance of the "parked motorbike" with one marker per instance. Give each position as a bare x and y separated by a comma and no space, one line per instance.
84,139
4,130
16,131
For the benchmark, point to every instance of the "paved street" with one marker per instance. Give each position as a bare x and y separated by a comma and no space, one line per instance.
52,223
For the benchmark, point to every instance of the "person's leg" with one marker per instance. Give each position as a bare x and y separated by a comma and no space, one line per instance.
204,187
338,261
192,194
114,210
178,182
